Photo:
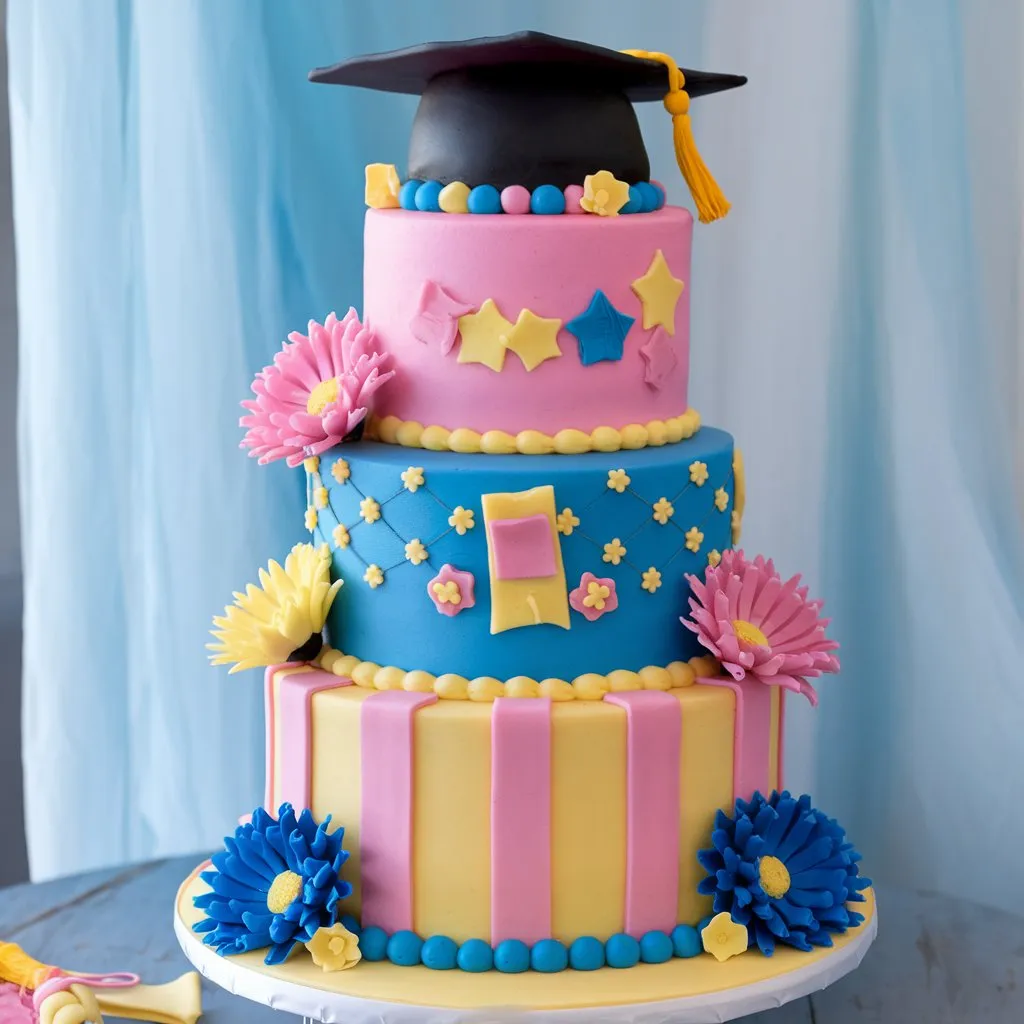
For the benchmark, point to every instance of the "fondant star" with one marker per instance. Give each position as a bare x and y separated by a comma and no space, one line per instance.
601,330
534,339
659,292
485,337
435,321
660,358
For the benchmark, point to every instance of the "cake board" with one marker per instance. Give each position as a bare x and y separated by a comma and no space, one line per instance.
693,991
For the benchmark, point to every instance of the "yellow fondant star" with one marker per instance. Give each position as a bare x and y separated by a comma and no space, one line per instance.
534,339
658,292
382,185
485,337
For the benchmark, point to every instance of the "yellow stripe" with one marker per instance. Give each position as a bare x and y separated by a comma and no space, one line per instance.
588,820
451,821
774,737
705,785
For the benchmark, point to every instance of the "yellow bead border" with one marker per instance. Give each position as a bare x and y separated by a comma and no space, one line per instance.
411,434
485,689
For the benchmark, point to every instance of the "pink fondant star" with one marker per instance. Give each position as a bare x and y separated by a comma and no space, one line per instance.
660,358
436,321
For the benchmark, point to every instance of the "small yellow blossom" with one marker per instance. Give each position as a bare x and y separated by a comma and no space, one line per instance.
618,480
567,522
413,479
369,509
714,557
461,520
320,497
311,518
340,471
663,510
597,595
721,499
723,937
604,194
694,539
447,593
613,551
415,552
374,575
651,580
312,464
699,473
334,948
341,537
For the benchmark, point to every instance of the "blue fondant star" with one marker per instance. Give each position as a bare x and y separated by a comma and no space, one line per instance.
601,330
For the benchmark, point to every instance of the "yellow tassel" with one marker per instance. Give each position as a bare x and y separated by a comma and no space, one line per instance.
17,967
711,204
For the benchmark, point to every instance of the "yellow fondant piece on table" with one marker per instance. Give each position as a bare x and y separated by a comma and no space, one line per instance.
534,339
382,186
604,194
485,337
334,948
658,292
454,198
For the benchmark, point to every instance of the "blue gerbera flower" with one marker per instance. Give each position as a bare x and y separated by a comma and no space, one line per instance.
784,870
276,883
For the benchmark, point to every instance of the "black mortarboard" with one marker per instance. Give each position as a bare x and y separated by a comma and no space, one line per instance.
532,109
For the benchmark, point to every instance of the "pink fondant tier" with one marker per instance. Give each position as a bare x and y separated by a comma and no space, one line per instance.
424,270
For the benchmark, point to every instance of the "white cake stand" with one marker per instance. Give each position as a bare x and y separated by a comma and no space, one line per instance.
695,991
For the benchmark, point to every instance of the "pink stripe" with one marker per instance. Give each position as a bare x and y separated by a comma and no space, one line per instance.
751,755
521,820
385,841
295,700
654,724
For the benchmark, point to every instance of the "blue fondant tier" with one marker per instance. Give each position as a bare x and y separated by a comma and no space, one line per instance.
398,623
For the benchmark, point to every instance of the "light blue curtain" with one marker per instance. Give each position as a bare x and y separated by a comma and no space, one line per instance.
184,198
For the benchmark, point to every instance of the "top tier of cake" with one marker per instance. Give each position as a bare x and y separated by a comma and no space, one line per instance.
531,326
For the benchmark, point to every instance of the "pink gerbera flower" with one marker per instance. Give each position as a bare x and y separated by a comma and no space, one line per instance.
757,625
316,392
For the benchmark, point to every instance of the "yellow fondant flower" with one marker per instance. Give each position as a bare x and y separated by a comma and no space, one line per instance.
694,539
567,522
312,464
369,509
604,194
447,593
618,480
340,471
663,510
341,537
415,552
461,520
334,948
597,596
723,937
268,623
651,580
699,473
413,479
714,557
613,551
320,497
721,499
311,519
374,576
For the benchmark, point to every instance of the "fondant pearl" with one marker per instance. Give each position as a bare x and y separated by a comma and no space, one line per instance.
427,196
439,953
649,195
587,954
475,955
512,956
662,194
622,951
549,956
454,197
515,199
686,941
573,194
404,949
407,194
655,948
636,201
373,944
547,199
484,199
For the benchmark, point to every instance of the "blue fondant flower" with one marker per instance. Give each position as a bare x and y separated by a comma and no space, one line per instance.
276,884
783,870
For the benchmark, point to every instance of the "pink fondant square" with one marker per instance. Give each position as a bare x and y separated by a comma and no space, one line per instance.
522,548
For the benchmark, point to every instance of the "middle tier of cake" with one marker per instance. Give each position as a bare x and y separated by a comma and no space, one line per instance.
501,567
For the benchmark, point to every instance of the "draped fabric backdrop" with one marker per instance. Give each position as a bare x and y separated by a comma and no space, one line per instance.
184,198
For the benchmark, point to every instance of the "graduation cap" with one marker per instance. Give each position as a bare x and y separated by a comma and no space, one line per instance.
533,109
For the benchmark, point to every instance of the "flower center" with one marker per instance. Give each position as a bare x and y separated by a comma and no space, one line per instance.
323,395
284,891
748,633
597,595
336,945
774,877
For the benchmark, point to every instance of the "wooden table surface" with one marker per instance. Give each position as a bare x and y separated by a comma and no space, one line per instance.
936,960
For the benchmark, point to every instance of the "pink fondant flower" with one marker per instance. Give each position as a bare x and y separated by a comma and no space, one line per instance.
594,597
757,625
316,392
451,590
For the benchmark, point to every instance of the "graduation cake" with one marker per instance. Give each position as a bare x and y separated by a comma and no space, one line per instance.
525,699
